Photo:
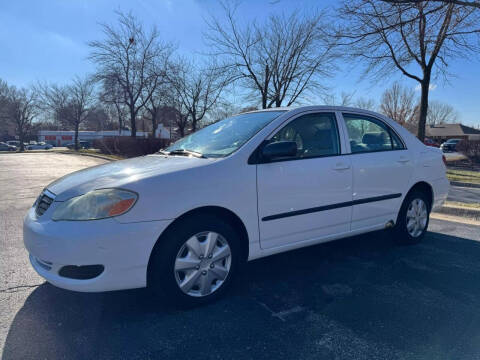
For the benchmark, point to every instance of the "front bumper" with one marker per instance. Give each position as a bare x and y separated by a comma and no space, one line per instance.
123,249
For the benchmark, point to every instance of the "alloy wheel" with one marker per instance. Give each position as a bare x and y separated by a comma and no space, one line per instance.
202,264
417,217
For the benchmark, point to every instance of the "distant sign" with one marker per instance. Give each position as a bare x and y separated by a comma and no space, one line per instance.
67,137
50,137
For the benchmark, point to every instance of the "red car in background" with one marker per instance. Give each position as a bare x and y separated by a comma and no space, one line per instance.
430,142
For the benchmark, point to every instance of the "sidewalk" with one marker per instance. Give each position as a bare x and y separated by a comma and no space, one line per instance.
459,213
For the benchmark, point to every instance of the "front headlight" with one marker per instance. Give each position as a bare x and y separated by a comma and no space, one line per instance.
97,204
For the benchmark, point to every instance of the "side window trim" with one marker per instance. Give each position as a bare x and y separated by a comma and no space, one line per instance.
342,128
389,129
255,159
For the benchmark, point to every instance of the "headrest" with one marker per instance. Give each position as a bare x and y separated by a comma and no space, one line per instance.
374,138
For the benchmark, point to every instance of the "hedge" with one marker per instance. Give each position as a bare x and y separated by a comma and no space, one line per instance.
470,148
129,147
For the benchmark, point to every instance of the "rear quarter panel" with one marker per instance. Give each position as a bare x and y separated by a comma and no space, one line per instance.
429,167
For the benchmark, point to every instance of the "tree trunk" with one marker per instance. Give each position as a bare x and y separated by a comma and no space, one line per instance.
154,123
20,138
133,122
265,88
181,130
154,128
194,123
76,135
120,124
181,126
422,117
278,102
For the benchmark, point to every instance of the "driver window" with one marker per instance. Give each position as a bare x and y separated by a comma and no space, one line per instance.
315,134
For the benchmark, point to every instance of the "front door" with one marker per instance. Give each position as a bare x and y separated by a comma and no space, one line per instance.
307,197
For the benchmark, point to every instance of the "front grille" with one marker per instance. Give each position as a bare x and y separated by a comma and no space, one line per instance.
43,203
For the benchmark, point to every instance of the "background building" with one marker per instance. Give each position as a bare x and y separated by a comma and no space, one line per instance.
444,132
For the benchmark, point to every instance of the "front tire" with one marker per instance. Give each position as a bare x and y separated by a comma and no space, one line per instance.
195,261
413,218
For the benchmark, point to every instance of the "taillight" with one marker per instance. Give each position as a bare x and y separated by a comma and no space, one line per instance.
444,160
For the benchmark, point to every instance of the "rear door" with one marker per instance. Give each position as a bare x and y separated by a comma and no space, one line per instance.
382,168
305,197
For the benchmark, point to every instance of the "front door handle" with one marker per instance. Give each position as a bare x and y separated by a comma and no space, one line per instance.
341,166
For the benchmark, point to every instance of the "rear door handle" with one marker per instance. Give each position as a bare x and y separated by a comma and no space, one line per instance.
341,166
403,159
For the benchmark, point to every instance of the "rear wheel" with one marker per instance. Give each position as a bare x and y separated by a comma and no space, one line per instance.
413,218
195,261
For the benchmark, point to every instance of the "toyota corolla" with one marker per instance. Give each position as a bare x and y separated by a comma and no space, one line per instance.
184,220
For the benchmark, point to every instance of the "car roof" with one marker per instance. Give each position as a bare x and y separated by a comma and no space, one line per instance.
319,108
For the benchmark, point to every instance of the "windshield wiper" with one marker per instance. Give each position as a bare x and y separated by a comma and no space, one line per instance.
184,152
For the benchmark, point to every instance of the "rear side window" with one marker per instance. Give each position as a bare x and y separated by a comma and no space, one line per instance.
367,134
397,143
315,134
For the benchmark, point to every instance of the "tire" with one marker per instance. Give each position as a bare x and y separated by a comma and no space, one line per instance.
172,253
413,219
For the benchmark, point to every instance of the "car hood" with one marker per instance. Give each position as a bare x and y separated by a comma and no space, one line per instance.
120,173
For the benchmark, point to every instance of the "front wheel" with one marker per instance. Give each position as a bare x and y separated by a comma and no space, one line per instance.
195,261
413,218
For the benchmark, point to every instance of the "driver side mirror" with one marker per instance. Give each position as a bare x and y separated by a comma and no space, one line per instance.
279,149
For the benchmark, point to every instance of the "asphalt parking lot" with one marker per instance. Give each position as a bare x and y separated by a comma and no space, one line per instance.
357,298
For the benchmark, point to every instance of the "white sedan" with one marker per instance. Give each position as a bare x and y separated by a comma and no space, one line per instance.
183,221
39,146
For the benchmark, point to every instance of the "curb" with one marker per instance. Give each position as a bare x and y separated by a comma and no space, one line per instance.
470,185
104,157
460,212
86,154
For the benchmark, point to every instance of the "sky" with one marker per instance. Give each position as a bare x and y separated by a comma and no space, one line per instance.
47,41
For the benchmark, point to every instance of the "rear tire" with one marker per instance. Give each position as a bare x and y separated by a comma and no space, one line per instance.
413,219
195,261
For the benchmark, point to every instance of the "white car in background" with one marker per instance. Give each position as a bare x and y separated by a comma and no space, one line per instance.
39,146
183,221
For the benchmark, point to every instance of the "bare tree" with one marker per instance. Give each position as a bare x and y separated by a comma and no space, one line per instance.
474,3
366,104
225,109
416,38
20,108
3,104
3,91
98,119
69,104
152,108
279,61
441,113
81,102
128,54
180,116
345,98
398,103
198,90
163,89
113,96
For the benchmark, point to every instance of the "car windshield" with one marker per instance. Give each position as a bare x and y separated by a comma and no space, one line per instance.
453,141
224,137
